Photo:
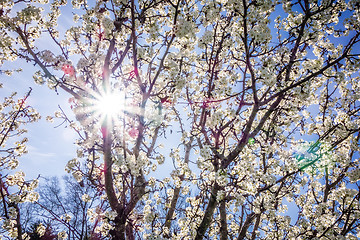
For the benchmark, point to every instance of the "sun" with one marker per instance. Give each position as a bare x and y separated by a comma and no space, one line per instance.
110,105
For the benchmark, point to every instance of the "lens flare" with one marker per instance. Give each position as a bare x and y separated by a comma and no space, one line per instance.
110,104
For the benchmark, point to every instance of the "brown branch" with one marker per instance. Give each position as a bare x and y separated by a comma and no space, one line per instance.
15,117
109,185
2,190
320,71
205,223
170,213
245,226
106,75
43,67
134,49
248,56
256,226
223,221
161,65
122,57
246,134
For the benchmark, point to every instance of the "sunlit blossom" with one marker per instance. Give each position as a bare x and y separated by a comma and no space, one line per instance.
133,132
68,69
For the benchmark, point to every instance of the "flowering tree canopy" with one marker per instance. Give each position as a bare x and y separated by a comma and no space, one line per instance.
234,88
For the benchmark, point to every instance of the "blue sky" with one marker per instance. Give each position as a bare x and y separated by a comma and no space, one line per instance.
49,148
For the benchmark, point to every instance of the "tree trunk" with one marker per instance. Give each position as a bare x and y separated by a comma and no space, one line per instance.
223,221
118,233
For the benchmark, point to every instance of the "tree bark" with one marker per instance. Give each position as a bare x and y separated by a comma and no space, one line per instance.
245,226
109,186
18,222
118,233
223,221
205,223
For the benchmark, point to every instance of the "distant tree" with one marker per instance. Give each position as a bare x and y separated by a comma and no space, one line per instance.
225,93
66,208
